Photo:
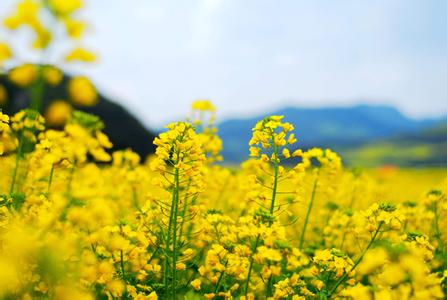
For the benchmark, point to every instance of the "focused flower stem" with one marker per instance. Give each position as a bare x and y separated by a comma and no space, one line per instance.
275,182
250,267
183,214
272,208
358,261
172,234
268,291
219,281
309,209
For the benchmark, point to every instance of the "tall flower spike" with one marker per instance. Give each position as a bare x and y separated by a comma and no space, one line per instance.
270,144
179,159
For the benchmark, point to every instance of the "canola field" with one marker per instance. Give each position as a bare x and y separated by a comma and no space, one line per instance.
79,223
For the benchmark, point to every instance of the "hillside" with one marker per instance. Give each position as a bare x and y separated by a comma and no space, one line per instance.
427,148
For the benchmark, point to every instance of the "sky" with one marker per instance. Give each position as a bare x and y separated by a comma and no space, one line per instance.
254,56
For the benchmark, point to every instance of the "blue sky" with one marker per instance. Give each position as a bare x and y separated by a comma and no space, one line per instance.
253,56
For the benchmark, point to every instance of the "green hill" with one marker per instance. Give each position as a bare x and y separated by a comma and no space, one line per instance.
426,148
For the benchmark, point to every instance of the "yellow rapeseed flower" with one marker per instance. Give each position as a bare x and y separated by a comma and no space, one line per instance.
52,75
203,105
5,53
75,28
23,75
26,13
58,113
82,92
196,283
80,54
65,7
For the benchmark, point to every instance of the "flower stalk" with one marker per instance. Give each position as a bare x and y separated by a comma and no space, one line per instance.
358,261
309,209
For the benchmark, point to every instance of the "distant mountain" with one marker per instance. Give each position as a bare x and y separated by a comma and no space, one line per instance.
425,148
333,127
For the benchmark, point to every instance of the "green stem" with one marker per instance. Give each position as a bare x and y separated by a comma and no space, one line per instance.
309,209
219,281
166,271
174,232
16,167
50,180
438,234
250,267
122,264
183,213
321,296
93,247
275,182
343,278
172,227
272,209
268,291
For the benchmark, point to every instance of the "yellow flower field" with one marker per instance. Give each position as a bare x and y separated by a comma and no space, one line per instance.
286,224
79,221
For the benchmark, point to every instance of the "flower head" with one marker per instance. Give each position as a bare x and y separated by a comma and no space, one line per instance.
82,92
